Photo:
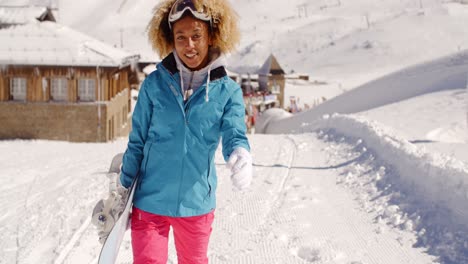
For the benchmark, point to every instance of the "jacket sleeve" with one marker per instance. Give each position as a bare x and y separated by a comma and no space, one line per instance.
233,129
141,119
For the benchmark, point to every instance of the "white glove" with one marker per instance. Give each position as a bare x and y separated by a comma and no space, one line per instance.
240,164
107,211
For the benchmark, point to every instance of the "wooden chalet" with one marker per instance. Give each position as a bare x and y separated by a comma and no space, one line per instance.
59,84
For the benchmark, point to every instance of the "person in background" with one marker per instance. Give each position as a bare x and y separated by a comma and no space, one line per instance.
184,109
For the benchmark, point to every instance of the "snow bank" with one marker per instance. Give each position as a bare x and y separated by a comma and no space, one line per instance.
436,179
269,116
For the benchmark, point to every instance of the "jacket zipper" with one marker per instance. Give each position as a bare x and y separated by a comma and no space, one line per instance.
187,104
208,177
185,108
180,186
146,164
189,87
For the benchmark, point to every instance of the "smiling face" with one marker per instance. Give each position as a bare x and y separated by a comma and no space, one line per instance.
192,41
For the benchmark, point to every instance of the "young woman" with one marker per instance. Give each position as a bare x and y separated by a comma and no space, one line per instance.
184,109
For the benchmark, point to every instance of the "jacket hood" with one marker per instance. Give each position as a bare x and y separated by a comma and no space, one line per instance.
213,71
190,80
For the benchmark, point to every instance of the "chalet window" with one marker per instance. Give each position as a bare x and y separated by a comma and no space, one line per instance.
18,89
87,89
275,89
59,89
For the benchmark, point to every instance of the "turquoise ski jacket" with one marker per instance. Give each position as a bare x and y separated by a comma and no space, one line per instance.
172,144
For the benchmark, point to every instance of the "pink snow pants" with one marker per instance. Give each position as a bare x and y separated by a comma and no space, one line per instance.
150,233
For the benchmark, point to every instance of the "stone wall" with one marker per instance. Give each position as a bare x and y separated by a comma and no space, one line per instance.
76,122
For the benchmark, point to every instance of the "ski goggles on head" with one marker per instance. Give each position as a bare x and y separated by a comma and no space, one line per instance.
181,6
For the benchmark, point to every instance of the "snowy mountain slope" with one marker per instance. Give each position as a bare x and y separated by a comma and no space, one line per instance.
450,72
120,23
391,45
335,43
419,112
331,39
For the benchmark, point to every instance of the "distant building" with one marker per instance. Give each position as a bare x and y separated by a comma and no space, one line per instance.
57,83
296,76
20,15
249,84
271,79
234,76
262,90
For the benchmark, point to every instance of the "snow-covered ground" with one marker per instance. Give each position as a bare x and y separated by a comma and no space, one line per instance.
352,191
316,198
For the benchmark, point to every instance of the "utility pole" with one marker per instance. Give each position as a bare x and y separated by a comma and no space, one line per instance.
367,20
58,10
121,37
467,97
301,9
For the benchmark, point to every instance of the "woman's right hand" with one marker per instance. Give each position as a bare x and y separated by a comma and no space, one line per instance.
240,164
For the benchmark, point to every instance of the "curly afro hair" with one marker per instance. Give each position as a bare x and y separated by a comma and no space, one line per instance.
224,31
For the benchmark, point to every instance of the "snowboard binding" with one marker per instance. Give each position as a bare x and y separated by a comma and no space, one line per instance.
107,211
112,215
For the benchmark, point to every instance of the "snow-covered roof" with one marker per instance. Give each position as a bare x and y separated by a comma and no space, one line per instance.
19,15
48,43
149,68
271,66
252,76
20,3
231,73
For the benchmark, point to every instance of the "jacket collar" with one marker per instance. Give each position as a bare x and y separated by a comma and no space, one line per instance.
171,65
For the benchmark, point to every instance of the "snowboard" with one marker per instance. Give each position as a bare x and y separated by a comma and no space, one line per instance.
110,247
